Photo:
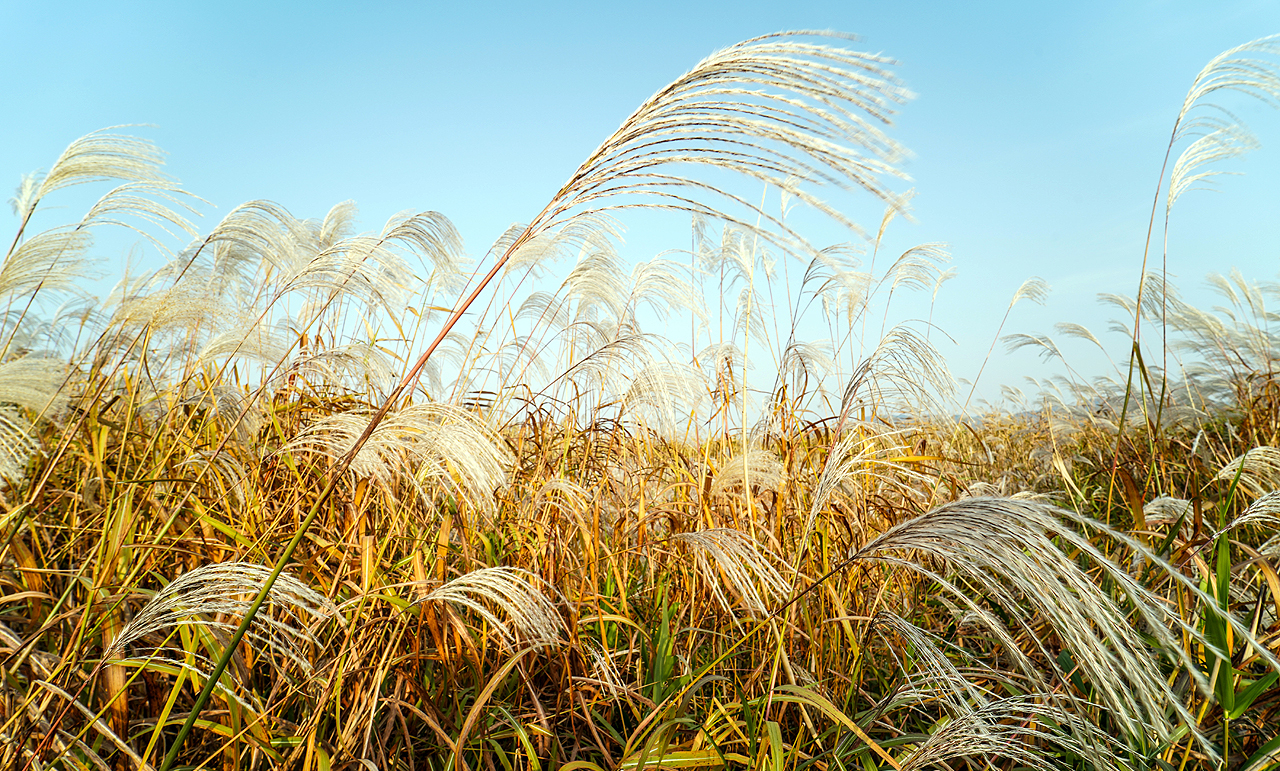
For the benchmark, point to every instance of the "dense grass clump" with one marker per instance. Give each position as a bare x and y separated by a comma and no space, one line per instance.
310,498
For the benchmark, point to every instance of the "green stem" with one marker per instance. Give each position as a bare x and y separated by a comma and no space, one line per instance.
249,615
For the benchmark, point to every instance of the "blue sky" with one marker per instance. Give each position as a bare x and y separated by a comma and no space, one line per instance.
1038,129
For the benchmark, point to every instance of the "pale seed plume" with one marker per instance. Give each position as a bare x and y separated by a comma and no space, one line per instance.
214,595
422,444
513,602
1258,471
746,566
1005,548
32,389
755,467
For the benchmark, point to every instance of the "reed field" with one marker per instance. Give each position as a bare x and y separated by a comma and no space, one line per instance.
304,497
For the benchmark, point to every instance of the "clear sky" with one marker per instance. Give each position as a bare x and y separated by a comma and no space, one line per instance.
1038,129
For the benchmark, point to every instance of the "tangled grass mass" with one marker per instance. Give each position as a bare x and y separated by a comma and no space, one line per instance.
308,498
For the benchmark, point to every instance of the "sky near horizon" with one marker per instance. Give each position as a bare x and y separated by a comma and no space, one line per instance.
1037,130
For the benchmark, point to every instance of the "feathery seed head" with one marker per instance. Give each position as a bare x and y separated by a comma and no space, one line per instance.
512,601
1006,548
1258,471
214,594
424,443
755,467
747,567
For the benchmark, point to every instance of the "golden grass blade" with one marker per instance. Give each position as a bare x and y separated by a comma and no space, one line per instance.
98,725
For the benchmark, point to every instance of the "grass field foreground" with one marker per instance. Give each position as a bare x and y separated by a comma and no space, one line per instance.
315,499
